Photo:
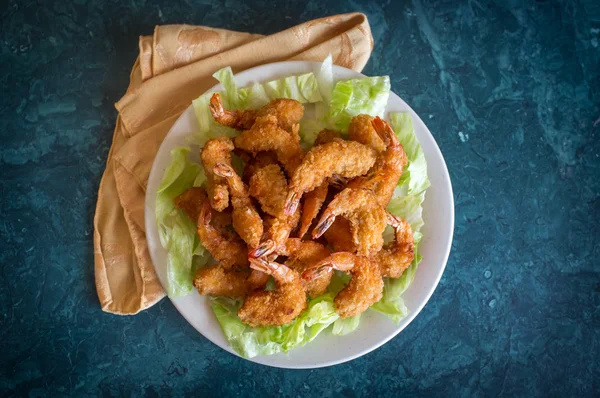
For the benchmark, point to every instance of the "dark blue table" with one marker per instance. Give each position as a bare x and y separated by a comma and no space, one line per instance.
511,92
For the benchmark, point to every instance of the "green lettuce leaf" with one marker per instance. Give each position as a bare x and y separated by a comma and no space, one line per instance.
345,326
250,342
409,208
176,231
352,97
415,175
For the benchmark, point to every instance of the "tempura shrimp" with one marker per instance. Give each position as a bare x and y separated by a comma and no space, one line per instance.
304,254
253,163
311,207
364,289
342,158
287,111
396,256
361,130
339,236
389,166
246,220
269,186
191,202
278,232
266,135
276,307
314,199
225,247
216,150
326,136
366,216
215,280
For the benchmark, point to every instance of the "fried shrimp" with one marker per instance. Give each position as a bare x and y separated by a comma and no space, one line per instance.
287,111
311,207
217,150
216,280
388,168
304,254
269,186
278,232
191,202
252,164
339,236
346,159
390,164
396,256
364,289
366,216
227,248
314,199
276,307
326,136
266,135
246,220
361,130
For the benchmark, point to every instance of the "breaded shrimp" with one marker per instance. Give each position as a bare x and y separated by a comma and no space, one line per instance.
304,254
311,207
366,216
269,186
396,256
246,220
389,166
339,236
326,136
361,130
266,135
276,307
391,162
216,150
343,158
215,280
287,111
227,248
191,202
278,232
252,164
364,289
314,199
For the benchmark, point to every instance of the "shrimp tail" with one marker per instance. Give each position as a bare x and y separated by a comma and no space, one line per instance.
316,272
385,132
262,265
205,213
291,203
323,226
223,170
264,249
216,106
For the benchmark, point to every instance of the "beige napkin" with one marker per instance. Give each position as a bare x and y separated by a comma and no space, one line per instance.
174,67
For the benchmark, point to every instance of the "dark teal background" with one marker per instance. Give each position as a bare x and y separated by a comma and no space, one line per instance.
509,89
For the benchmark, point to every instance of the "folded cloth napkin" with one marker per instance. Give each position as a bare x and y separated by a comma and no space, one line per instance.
174,67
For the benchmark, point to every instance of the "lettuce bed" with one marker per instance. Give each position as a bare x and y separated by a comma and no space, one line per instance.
335,105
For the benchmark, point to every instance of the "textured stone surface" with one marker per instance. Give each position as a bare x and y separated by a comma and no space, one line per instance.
511,92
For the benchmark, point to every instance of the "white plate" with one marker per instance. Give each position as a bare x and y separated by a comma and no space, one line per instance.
375,329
